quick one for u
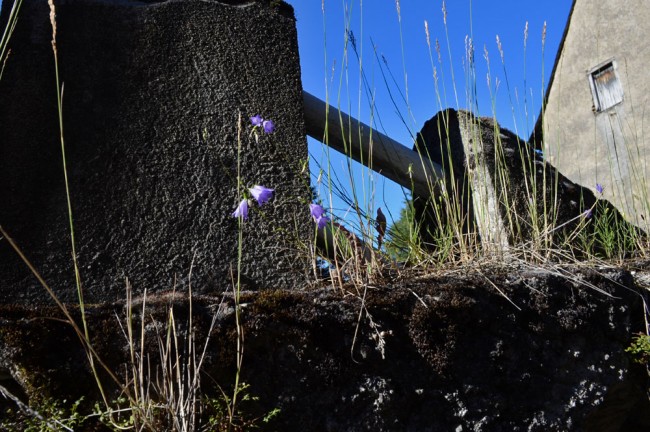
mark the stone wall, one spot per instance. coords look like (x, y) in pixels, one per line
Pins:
(477, 349)
(152, 99)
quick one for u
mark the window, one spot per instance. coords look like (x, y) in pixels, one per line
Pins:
(606, 88)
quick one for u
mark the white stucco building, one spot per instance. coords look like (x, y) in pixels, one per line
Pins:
(596, 119)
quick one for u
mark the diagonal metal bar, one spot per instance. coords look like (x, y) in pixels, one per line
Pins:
(370, 147)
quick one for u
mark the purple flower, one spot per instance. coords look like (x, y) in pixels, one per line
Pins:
(242, 210)
(268, 126)
(261, 194)
(257, 120)
(586, 214)
(322, 221)
(318, 213)
(316, 210)
(599, 188)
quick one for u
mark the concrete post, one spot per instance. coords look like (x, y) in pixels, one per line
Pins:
(152, 100)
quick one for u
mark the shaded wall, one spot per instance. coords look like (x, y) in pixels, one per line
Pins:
(152, 98)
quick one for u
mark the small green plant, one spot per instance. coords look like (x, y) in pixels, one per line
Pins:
(49, 415)
(222, 418)
(610, 238)
(639, 349)
(402, 233)
(115, 419)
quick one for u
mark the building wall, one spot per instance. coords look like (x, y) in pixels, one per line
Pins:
(608, 146)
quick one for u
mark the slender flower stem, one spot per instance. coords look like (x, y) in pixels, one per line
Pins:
(240, 332)
(59, 99)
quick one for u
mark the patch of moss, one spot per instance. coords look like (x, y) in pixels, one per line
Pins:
(274, 302)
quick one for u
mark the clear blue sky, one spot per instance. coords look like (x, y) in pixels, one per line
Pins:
(403, 45)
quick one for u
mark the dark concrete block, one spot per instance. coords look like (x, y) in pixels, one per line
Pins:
(507, 195)
(152, 97)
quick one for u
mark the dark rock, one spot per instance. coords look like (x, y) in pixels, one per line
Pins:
(152, 100)
(504, 193)
(456, 354)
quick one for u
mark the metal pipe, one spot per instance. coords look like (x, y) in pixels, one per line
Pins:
(369, 147)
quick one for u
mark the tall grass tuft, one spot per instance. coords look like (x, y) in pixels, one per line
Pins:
(165, 387)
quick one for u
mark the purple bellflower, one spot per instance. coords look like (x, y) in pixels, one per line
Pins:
(599, 188)
(242, 209)
(257, 120)
(322, 221)
(269, 126)
(318, 213)
(316, 210)
(261, 194)
(587, 214)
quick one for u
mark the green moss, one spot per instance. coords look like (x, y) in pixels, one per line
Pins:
(274, 301)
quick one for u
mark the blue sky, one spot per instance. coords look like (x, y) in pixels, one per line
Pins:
(401, 47)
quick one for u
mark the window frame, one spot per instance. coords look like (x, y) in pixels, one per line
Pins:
(615, 97)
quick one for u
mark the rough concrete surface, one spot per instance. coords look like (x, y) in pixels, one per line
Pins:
(151, 104)
(458, 354)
